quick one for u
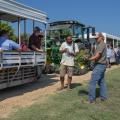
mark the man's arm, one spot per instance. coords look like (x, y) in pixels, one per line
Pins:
(95, 57)
(15, 46)
(63, 49)
(36, 49)
(98, 54)
(31, 45)
(76, 51)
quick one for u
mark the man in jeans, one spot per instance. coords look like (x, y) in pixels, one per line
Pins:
(99, 70)
(68, 50)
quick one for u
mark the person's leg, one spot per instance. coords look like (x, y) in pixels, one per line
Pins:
(103, 90)
(62, 82)
(117, 60)
(69, 82)
(70, 73)
(39, 72)
(62, 75)
(108, 63)
(92, 85)
(102, 84)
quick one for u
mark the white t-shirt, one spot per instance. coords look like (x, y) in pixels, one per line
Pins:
(66, 58)
(109, 52)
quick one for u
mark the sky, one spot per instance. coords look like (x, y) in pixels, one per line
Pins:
(103, 14)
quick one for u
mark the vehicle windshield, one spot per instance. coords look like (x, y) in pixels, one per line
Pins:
(62, 30)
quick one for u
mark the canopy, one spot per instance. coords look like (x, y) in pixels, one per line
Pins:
(10, 10)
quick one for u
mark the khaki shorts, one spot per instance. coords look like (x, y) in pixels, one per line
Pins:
(66, 69)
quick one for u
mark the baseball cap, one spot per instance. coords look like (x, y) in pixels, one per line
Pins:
(99, 35)
(37, 28)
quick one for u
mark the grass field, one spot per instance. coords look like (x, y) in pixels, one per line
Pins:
(70, 105)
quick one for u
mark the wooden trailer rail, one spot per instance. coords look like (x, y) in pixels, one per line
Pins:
(18, 68)
(21, 59)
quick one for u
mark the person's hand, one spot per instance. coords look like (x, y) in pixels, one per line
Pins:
(71, 53)
(41, 34)
(65, 50)
(40, 50)
(86, 58)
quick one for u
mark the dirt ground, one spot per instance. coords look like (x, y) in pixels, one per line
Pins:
(12, 99)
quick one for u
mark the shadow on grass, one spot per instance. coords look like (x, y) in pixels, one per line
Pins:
(82, 92)
(74, 85)
(97, 92)
(85, 92)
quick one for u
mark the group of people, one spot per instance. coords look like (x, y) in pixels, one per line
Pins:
(69, 50)
(34, 44)
(113, 54)
(117, 54)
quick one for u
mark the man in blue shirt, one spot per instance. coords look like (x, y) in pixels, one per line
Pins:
(6, 44)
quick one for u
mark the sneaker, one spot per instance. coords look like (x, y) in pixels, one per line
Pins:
(103, 99)
(92, 101)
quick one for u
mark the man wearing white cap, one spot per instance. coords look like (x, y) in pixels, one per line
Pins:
(97, 76)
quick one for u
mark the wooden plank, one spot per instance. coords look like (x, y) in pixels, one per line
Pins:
(27, 53)
(27, 61)
(3, 85)
(12, 61)
(26, 73)
(27, 56)
(9, 79)
(2, 80)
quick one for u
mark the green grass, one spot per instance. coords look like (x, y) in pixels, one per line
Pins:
(69, 105)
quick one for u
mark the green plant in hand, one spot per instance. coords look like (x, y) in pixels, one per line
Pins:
(82, 57)
(81, 63)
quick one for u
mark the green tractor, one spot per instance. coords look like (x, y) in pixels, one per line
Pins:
(57, 33)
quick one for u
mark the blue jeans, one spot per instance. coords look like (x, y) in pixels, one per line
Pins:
(98, 78)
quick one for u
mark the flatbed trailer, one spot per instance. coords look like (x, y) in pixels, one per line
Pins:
(17, 68)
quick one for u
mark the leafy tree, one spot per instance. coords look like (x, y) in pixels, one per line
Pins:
(25, 37)
(6, 26)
